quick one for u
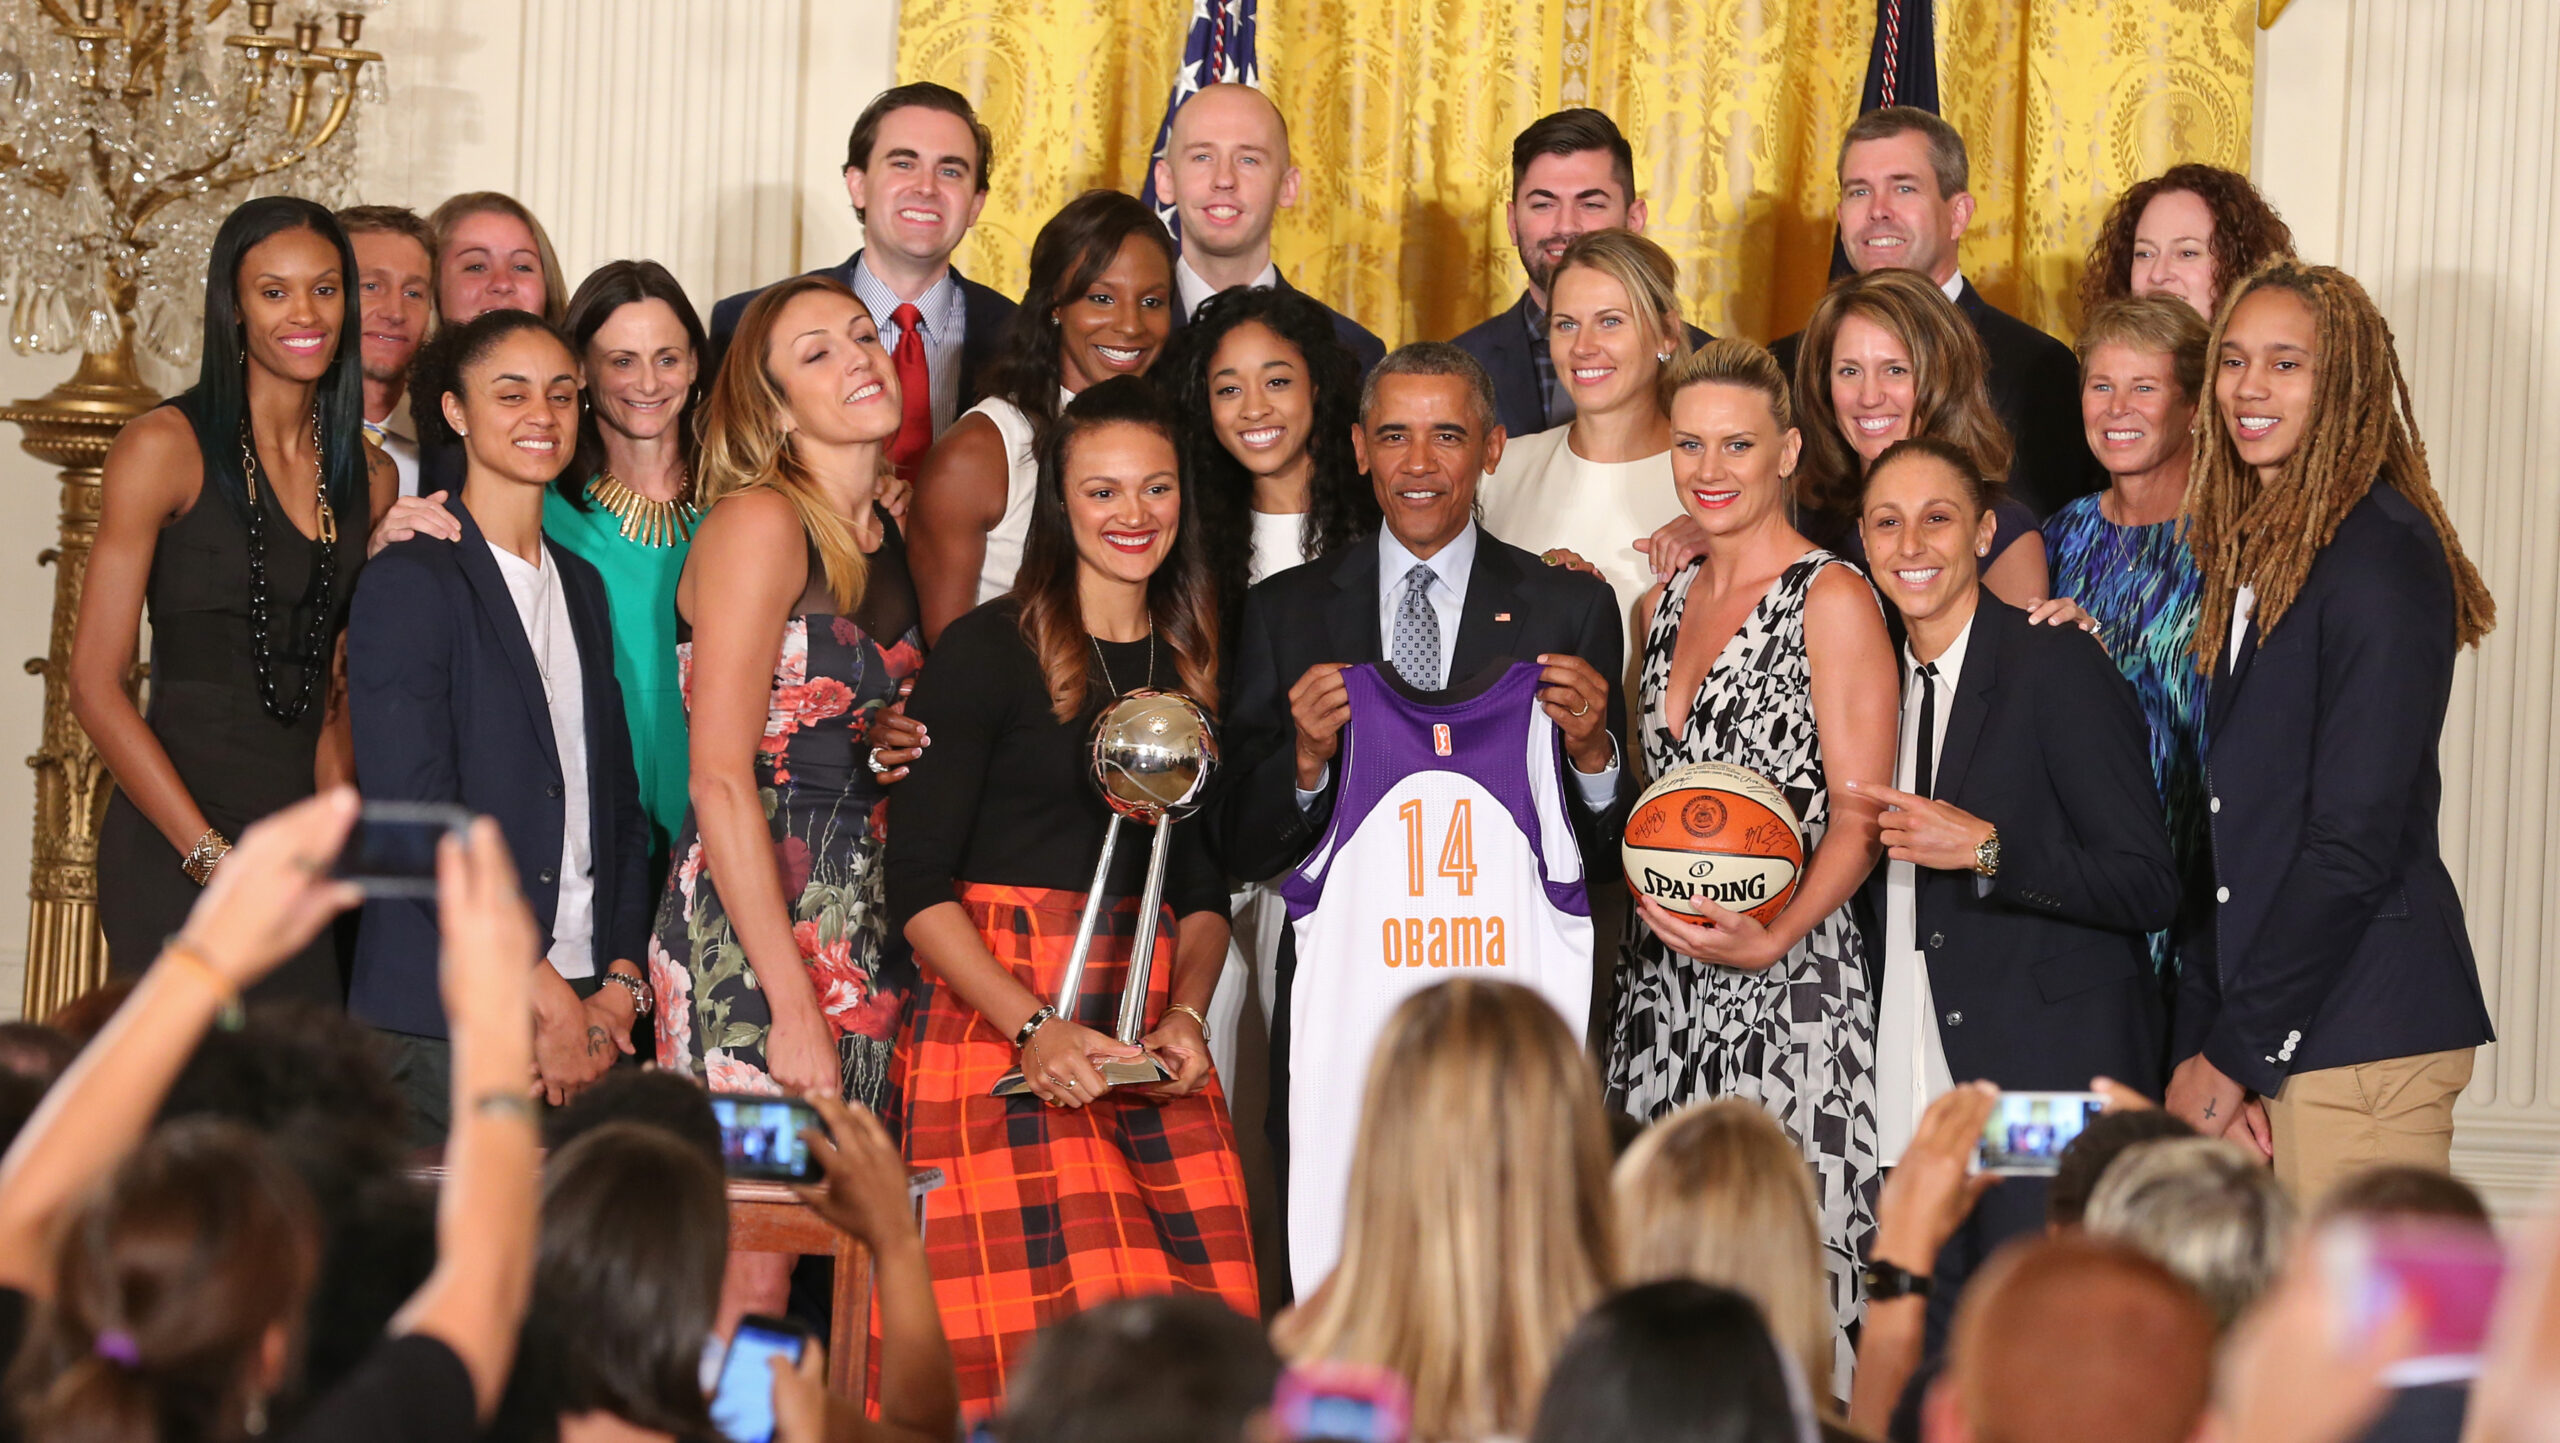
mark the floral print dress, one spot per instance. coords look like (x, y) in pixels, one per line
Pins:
(826, 814)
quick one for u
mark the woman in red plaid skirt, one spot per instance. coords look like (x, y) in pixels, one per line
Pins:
(1075, 1193)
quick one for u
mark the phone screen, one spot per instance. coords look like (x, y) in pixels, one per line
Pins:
(760, 1136)
(1342, 1403)
(2027, 1131)
(743, 1406)
(392, 851)
(2447, 1274)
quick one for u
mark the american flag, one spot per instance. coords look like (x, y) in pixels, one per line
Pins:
(1218, 47)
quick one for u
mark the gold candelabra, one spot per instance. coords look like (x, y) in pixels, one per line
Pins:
(119, 156)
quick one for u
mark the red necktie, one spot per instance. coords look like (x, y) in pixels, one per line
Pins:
(915, 392)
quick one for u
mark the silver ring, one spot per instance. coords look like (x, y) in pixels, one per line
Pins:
(871, 759)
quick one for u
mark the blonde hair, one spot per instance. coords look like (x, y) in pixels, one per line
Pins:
(1731, 361)
(1643, 270)
(2362, 429)
(1479, 1225)
(2153, 325)
(1716, 1192)
(2205, 1209)
(745, 445)
(459, 208)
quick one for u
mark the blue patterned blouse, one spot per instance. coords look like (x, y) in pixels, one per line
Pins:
(2141, 584)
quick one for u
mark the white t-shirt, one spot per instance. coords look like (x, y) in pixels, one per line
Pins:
(1276, 545)
(543, 606)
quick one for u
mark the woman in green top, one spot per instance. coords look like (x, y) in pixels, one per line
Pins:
(626, 503)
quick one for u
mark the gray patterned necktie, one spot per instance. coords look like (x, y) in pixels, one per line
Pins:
(1417, 642)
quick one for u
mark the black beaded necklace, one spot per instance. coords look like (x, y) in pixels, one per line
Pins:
(324, 575)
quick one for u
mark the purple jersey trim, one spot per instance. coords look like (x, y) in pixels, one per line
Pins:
(1391, 736)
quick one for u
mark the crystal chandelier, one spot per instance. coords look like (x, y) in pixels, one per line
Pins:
(130, 128)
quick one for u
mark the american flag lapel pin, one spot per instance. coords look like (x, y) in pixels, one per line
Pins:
(1502, 616)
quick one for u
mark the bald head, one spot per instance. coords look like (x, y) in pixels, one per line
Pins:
(2074, 1340)
(1226, 169)
(1232, 108)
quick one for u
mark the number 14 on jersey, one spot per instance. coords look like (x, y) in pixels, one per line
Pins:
(1457, 847)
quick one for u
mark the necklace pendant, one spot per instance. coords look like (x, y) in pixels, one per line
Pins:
(328, 523)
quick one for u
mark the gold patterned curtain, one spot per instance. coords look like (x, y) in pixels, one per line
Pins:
(1401, 114)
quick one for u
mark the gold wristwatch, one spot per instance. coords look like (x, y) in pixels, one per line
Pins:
(1986, 858)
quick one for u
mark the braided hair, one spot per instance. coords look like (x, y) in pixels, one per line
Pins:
(2265, 536)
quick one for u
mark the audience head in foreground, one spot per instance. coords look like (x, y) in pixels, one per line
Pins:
(1676, 1361)
(1480, 1223)
(1174, 1368)
(2206, 1209)
(2071, 1340)
(1716, 1192)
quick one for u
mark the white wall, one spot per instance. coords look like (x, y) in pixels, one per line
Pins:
(2411, 142)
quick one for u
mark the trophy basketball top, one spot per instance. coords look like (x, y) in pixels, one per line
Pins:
(1152, 753)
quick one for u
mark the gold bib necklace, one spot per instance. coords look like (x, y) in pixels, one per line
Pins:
(645, 520)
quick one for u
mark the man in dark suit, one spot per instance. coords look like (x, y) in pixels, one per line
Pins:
(460, 677)
(1571, 172)
(1226, 170)
(916, 170)
(1427, 438)
(1904, 203)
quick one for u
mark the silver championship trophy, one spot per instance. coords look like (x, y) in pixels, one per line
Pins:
(1152, 754)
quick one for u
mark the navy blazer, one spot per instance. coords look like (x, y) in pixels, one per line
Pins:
(985, 314)
(1355, 337)
(2042, 976)
(1502, 346)
(447, 706)
(1517, 608)
(2336, 936)
(2035, 386)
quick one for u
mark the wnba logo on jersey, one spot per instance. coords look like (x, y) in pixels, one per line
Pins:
(1442, 941)
(1440, 738)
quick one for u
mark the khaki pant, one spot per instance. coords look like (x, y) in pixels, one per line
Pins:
(2339, 1120)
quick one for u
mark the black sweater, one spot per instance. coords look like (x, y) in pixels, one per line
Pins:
(1004, 793)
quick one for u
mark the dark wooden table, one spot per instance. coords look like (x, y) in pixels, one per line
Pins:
(764, 1217)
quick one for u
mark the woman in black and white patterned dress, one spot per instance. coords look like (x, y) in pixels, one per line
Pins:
(1771, 654)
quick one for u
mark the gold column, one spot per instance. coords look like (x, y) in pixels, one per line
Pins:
(70, 426)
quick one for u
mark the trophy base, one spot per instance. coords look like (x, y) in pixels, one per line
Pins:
(1140, 1071)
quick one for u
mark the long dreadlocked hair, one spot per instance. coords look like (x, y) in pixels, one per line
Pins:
(2265, 536)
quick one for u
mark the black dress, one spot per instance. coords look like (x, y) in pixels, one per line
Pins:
(238, 762)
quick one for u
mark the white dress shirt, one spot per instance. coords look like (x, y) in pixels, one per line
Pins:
(946, 325)
(397, 436)
(1954, 287)
(2244, 604)
(1911, 1058)
(543, 606)
(1451, 567)
(1191, 290)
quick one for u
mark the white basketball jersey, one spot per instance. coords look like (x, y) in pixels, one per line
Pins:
(1448, 853)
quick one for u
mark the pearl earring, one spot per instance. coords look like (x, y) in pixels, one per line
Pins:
(1982, 551)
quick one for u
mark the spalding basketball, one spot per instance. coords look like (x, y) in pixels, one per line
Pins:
(1714, 832)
